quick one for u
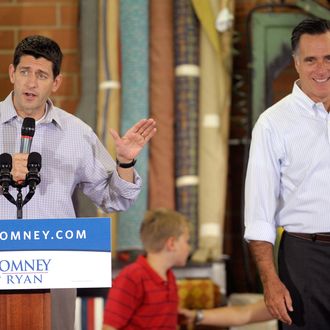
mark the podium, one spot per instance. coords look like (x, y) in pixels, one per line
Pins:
(43, 254)
(14, 307)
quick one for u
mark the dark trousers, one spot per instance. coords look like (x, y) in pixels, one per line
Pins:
(304, 268)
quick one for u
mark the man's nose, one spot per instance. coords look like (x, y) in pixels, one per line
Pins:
(31, 80)
(322, 66)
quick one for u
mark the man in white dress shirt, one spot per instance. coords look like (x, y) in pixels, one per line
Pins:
(288, 185)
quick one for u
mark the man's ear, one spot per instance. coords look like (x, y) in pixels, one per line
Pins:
(57, 83)
(296, 61)
(11, 71)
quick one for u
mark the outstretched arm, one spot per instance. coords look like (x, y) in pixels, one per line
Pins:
(231, 315)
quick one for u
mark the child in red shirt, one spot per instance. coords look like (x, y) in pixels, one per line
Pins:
(144, 294)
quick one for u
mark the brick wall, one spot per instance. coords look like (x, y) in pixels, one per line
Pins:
(57, 19)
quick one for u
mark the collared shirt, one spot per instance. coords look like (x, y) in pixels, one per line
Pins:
(141, 299)
(288, 175)
(72, 156)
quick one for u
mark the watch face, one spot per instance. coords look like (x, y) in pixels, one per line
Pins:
(199, 316)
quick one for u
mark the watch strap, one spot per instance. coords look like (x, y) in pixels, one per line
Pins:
(126, 165)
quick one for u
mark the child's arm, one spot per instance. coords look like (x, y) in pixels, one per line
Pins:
(231, 315)
(108, 327)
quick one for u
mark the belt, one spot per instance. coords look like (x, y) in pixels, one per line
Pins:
(320, 237)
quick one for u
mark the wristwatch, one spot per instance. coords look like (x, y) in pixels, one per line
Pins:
(199, 316)
(126, 165)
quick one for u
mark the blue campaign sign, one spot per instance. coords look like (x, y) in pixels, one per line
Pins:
(78, 234)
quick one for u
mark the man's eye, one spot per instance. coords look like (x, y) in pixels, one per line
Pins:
(42, 76)
(24, 72)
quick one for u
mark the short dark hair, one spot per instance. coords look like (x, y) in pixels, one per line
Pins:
(308, 26)
(39, 46)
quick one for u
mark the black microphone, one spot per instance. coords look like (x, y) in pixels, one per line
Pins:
(27, 132)
(34, 166)
(5, 168)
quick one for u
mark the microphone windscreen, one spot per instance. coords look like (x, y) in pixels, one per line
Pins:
(34, 160)
(28, 127)
(5, 160)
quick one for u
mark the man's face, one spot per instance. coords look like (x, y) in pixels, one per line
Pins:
(312, 61)
(33, 83)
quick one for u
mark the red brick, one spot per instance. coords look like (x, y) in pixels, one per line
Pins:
(7, 39)
(5, 60)
(67, 104)
(6, 86)
(68, 86)
(37, 15)
(69, 15)
(71, 63)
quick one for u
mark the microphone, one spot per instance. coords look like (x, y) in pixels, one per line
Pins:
(34, 166)
(5, 168)
(27, 132)
(5, 176)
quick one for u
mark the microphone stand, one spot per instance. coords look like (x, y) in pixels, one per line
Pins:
(19, 201)
(8, 196)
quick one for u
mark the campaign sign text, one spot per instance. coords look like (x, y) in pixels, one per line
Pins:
(55, 253)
